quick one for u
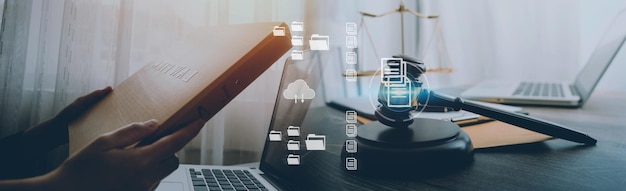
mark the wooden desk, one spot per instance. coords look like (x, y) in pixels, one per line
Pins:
(550, 165)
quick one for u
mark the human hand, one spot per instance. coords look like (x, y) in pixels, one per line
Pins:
(108, 164)
(53, 132)
(80, 106)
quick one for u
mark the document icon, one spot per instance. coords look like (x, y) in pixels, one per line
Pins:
(297, 26)
(351, 116)
(293, 131)
(297, 40)
(293, 159)
(350, 57)
(279, 31)
(399, 96)
(393, 71)
(394, 78)
(293, 145)
(350, 75)
(351, 42)
(351, 28)
(315, 142)
(275, 135)
(297, 55)
(351, 130)
(319, 42)
(351, 146)
(351, 163)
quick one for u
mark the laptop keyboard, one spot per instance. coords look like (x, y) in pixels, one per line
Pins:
(539, 89)
(224, 179)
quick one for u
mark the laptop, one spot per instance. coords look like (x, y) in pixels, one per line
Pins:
(567, 94)
(276, 159)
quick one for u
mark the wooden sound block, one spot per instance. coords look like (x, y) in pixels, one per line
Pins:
(197, 77)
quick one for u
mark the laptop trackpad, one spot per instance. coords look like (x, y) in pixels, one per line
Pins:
(163, 186)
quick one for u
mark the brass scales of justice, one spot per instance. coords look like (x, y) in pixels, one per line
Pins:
(442, 51)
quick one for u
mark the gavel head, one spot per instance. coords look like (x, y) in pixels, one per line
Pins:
(399, 88)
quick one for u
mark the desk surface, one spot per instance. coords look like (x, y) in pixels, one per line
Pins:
(550, 165)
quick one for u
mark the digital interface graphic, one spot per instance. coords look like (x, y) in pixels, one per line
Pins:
(319, 42)
(396, 82)
(299, 91)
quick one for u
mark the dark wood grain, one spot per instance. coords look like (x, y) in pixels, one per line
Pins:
(551, 165)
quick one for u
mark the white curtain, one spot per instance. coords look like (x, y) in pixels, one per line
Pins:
(521, 39)
(506, 39)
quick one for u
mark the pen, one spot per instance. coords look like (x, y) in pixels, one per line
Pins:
(473, 121)
(479, 120)
(428, 108)
(517, 119)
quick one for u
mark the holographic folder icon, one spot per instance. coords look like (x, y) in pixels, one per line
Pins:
(297, 40)
(293, 159)
(275, 135)
(315, 142)
(297, 26)
(293, 131)
(319, 42)
(278, 31)
(293, 145)
(297, 55)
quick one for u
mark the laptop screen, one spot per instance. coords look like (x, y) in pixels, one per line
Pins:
(285, 153)
(603, 55)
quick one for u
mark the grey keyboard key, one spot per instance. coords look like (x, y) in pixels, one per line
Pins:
(200, 188)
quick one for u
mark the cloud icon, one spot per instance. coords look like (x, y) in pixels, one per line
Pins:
(298, 90)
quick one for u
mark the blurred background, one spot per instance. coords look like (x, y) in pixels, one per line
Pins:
(53, 51)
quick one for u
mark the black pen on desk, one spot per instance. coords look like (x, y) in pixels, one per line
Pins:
(472, 121)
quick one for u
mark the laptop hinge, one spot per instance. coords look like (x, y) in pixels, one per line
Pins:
(573, 90)
(274, 181)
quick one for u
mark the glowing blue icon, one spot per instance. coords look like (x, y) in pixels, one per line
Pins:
(394, 78)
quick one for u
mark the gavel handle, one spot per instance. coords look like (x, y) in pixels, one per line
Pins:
(513, 118)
